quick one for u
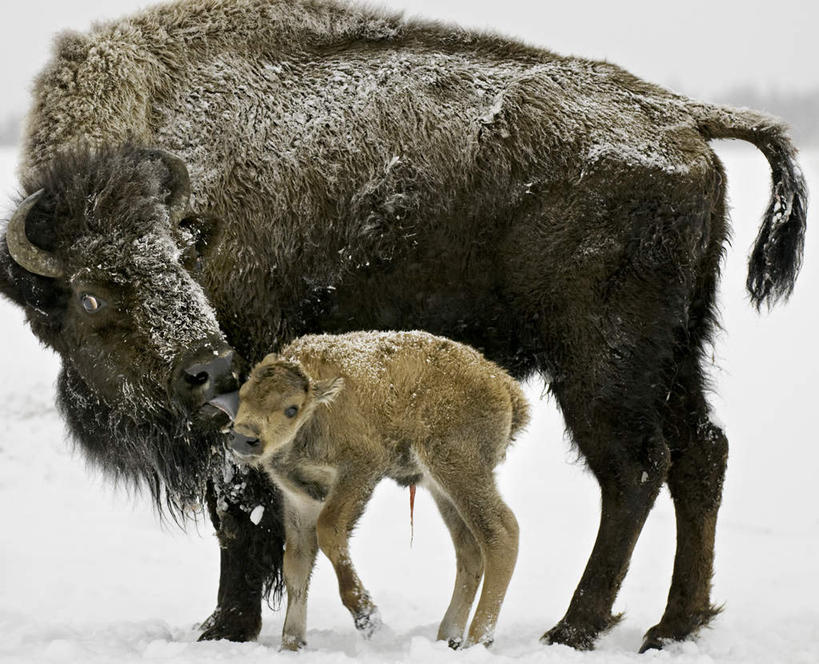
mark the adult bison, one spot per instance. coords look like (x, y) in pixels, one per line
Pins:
(207, 180)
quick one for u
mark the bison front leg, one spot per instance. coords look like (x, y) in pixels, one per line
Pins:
(245, 510)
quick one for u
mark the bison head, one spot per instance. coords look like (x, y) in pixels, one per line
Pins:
(104, 255)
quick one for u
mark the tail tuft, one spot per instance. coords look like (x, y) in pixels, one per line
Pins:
(776, 257)
(520, 409)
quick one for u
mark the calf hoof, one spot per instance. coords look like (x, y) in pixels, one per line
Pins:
(292, 643)
(451, 634)
(579, 637)
(368, 623)
(232, 625)
(475, 638)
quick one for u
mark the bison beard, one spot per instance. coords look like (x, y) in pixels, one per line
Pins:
(559, 214)
(184, 469)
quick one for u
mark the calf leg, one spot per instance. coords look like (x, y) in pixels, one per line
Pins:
(299, 558)
(343, 507)
(469, 570)
(698, 460)
(498, 538)
(470, 484)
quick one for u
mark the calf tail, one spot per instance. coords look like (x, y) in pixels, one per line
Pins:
(776, 257)
(520, 410)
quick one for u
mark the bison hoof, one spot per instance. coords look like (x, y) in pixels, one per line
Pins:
(579, 637)
(565, 634)
(368, 623)
(658, 636)
(652, 642)
(232, 625)
(679, 629)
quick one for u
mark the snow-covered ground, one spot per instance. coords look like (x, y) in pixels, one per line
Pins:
(87, 574)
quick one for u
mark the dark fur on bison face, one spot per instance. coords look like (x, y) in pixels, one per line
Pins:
(106, 271)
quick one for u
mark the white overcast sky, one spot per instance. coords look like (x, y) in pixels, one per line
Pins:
(701, 47)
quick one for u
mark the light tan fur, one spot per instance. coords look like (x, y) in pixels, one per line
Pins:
(408, 405)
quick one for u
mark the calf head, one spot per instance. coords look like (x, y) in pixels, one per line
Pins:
(103, 254)
(277, 400)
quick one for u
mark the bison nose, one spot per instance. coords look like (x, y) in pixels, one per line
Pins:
(206, 374)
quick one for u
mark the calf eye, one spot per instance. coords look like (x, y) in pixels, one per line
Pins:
(291, 411)
(91, 304)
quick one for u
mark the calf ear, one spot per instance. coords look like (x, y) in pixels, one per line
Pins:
(326, 390)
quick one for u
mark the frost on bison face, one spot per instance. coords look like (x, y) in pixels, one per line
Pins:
(104, 257)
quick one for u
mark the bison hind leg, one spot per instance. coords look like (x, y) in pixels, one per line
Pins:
(699, 452)
(630, 477)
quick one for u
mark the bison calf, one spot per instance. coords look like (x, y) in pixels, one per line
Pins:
(411, 406)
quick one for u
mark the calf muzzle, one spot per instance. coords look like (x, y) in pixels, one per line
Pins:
(245, 446)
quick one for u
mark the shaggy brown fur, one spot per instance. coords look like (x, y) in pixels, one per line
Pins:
(350, 169)
(331, 416)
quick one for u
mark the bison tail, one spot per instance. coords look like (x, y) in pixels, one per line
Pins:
(776, 257)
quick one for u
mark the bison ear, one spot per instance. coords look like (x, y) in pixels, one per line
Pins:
(325, 391)
(177, 182)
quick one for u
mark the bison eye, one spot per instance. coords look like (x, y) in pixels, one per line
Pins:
(91, 304)
(291, 411)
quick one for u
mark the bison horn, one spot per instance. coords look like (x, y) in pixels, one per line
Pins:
(179, 183)
(24, 253)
